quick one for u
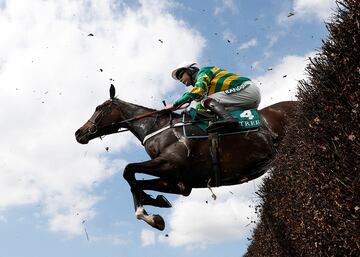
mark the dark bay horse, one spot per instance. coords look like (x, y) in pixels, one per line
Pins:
(178, 162)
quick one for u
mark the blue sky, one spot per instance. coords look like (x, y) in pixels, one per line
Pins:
(59, 198)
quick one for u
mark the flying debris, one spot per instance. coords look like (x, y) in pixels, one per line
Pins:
(290, 14)
(284, 76)
(91, 35)
(161, 41)
(86, 233)
(107, 149)
(228, 41)
(101, 70)
(270, 69)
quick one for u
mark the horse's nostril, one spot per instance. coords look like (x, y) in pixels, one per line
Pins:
(77, 132)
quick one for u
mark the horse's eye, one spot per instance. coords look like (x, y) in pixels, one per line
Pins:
(97, 108)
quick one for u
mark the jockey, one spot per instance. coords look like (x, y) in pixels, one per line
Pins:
(217, 90)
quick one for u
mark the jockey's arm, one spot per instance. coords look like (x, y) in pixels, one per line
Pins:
(197, 93)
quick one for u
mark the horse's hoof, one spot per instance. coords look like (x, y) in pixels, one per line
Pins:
(163, 202)
(158, 223)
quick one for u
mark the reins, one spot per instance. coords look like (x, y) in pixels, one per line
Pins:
(141, 116)
(95, 120)
(148, 114)
(138, 117)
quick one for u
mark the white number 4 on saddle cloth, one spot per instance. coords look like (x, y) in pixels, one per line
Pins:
(247, 114)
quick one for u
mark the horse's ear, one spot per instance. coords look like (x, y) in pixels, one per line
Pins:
(112, 91)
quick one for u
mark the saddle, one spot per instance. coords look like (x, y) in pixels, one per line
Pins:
(249, 120)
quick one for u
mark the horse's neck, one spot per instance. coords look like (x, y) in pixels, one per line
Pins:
(142, 127)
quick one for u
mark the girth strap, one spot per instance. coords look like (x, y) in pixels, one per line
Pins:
(214, 152)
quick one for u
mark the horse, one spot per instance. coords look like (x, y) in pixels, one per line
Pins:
(179, 163)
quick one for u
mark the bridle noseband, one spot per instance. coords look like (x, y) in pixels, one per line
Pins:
(96, 119)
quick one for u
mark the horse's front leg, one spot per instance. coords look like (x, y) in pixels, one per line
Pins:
(155, 221)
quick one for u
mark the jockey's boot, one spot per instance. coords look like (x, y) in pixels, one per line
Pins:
(227, 121)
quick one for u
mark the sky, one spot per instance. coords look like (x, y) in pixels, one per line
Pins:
(57, 61)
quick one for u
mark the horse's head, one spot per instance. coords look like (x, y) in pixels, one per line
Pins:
(104, 121)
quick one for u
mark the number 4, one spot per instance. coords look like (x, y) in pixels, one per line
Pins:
(247, 114)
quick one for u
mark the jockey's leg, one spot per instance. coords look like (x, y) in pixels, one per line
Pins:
(227, 121)
(247, 98)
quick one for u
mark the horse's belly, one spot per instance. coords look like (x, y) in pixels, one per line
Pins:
(241, 155)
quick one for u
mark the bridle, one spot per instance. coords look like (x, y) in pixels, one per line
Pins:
(96, 119)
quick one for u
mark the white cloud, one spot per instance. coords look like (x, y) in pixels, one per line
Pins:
(147, 237)
(50, 84)
(280, 83)
(256, 65)
(309, 10)
(252, 42)
(273, 39)
(197, 220)
(322, 9)
(222, 6)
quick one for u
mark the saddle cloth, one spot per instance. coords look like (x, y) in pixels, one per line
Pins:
(249, 120)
